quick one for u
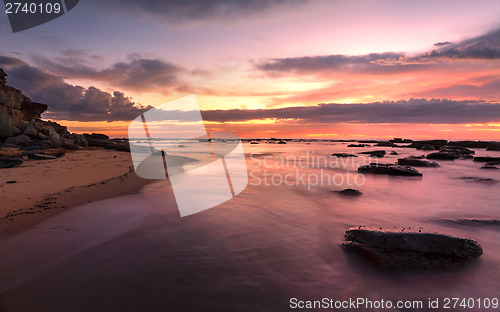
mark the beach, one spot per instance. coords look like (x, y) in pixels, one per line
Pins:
(44, 188)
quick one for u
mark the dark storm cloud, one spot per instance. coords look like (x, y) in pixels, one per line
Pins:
(7, 60)
(194, 10)
(70, 102)
(415, 111)
(137, 73)
(483, 47)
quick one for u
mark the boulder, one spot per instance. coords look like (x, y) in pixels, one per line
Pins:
(17, 140)
(389, 169)
(16, 131)
(5, 125)
(410, 161)
(42, 136)
(394, 153)
(411, 251)
(30, 130)
(69, 145)
(10, 162)
(55, 139)
(97, 140)
(427, 147)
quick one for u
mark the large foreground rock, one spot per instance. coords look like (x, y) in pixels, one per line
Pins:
(389, 169)
(400, 250)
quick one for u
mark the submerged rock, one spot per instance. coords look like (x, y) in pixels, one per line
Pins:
(443, 156)
(389, 169)
(400, 250)
(410, 161)
(480, 180)
(349, 192)
(474, 221)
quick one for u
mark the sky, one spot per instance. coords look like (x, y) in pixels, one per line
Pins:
(269, 68)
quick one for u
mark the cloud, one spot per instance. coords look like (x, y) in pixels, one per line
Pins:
(69, 102)
(7, 60)
(440, 44)
(369, 63)
(416, 111)
(137, 73)
(182, 11)
(483, 47)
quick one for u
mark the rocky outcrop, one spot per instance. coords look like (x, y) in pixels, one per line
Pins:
(389, 169)
(413, 251)
(488, 159)
(343, 155)
(493, 147)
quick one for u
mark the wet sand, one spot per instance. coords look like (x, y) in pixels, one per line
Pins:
(44, 188)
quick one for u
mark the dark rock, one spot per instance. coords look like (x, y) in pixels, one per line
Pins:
(358, 145)
(379, 153)
(428, 147)
(36, 156)
(400, 250)
(281, 142)
(349, 192)
(343, 155)
(385, 143)
(389, 169)
(11, 182)
(436, 143)
(30, 130)
(409, 161)
(10, 162)
(20, 139)
(487, 159)
(393, 153)
(474, 221)
(442, 156)
(456, 149)
(493, 147)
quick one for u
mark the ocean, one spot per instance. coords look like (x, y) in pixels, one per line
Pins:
(273, 245)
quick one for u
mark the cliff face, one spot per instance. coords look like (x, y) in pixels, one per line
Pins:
(16, 110)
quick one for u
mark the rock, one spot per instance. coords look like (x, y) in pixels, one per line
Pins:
(281, 142)
(42, 136)
(123, 147)
(379, 153)
(389, 169)
(400, 250)
(69, 145)
(17, 140)
(16, 131)
(358, 145)
(30, 130)
(442, 156)
(349, 192)
(386, 143)
(409, 161)
(97, 140)
(487, 159)
(393, 153)
(456, 149)
(55, 139)
(343, 155)
(11, 182)
(493, 147)
(435, 143)
(480, 180)
(427, 147)
(36, 156)
(10, 162)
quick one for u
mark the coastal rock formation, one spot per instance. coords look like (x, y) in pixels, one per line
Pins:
(415, 162)
(402, 250)
(487, 159)
(389, 169)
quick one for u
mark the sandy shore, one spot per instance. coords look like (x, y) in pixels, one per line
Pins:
(43, 188)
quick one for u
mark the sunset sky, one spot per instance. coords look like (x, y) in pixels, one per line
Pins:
(305, 69)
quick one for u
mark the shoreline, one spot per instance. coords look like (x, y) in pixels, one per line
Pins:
(114, 177)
